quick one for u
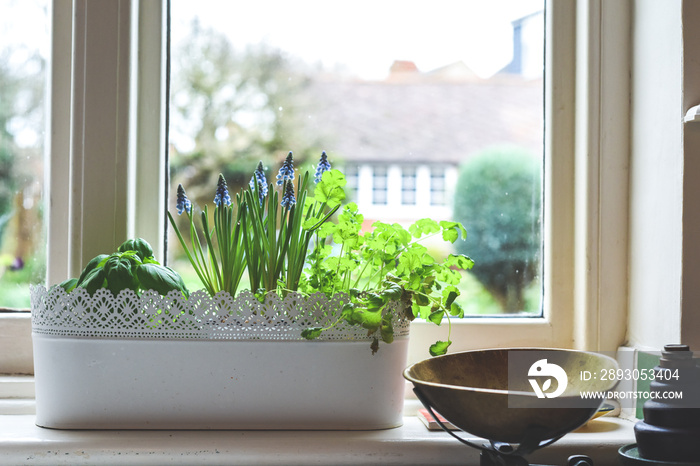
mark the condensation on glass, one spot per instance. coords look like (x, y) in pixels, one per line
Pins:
(417, 103)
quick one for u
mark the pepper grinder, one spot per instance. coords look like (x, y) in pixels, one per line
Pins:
(670, 430)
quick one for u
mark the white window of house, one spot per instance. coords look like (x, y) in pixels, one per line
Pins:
(437, 186)
(408, 185)
(380, 185)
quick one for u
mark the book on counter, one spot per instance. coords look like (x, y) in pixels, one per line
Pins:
(430, 422)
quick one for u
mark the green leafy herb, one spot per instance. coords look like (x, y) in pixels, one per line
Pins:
(133, 269)
(384, 265)
(289, 238)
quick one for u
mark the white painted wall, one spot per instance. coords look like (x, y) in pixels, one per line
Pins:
(656, 175)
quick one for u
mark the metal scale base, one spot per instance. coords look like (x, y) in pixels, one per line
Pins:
(503, 454)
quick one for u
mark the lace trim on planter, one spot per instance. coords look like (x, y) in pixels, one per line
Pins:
(55, 312)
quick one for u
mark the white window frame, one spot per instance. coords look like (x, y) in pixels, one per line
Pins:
(104, 142)
(89, 178)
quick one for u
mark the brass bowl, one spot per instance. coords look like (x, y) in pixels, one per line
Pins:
(472, 390)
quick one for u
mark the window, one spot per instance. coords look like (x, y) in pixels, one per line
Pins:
(437, 186)
(242, 91)
(23, 55)
(380, 185)
(106, 214)
(408, 185)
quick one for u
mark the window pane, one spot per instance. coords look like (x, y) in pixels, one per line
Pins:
(24, 43)
(408, 185)
(435, 109)
(437, 186)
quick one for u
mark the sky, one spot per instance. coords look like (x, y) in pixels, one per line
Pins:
(24, 22)
(363, 36)
(366, 36)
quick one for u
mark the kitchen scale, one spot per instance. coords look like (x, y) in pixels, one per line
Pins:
(472, 391)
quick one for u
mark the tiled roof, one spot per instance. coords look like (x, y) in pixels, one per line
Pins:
(427, 117)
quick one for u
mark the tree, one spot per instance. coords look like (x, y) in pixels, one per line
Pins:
(498, 199)
(232, 108)
(21, 111)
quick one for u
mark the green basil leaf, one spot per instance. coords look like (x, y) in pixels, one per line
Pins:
(96, 262)
(68, 285)
(140, 245)
(161, 279)
(94, 280)
(119, 274)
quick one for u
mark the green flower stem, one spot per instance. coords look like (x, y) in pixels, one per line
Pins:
(219, 260)
(229, 242)
(192, 254)
(214, 264)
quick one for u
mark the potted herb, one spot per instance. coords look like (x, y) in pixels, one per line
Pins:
(289, 241)
(132, 267)
(294, 295)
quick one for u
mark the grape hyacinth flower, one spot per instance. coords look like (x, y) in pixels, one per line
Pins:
(286, 172)
(222, 196)
(288, 200)
(259, 179)
(323, 166)
(183, 204)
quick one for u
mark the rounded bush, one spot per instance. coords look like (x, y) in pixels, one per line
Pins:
(498, 199)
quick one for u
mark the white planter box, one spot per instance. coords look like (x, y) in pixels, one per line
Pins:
(151, 382)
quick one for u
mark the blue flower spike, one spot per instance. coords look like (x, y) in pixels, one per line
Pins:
(222, 196)
(258, 182)
(259, 179)
(286, 172)
(183, 204)
(288, 200)
(323, 166)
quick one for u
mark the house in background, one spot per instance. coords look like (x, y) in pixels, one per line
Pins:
(402, 139)
(528, 37)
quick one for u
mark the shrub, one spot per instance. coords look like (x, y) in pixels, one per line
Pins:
(498, 199)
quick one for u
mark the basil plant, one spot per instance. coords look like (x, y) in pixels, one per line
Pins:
(132, 267)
